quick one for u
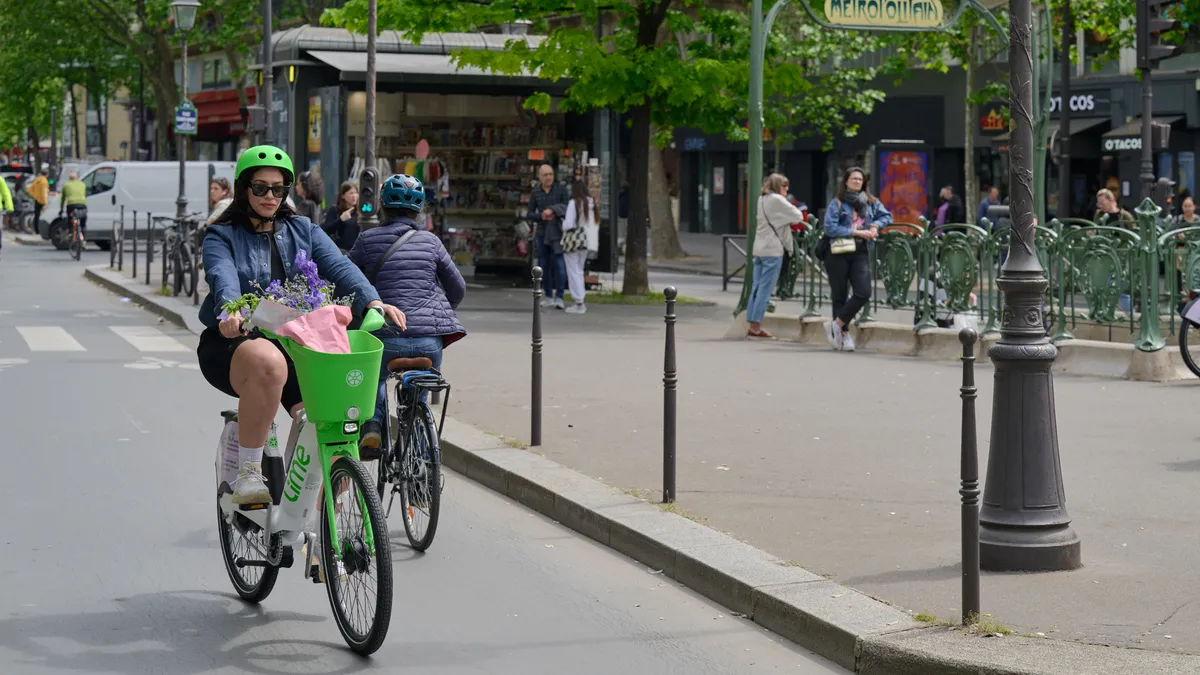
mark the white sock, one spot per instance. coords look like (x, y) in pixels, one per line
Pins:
(249, 455)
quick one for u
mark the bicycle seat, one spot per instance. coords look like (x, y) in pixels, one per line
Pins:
(418, 363)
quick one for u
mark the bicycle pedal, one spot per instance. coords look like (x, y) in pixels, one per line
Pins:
(253, 507)
(316, 575)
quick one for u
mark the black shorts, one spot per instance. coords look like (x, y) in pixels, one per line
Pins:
(215, 353)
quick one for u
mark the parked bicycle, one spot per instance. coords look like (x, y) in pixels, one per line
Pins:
(180, 252)
(413, 463)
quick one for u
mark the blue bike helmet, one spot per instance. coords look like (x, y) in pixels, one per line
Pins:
(402, 191)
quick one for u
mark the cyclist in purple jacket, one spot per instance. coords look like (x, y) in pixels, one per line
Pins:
(419, 278)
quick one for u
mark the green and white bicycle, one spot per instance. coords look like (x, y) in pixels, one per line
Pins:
(353, 550)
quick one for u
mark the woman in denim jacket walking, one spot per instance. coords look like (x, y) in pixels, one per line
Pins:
(855, 214)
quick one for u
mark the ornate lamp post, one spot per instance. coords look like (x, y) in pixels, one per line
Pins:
(184, 13)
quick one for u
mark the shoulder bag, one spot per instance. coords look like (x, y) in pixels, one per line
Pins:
(841, 245)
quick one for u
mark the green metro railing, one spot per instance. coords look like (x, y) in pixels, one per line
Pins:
(1106, 273)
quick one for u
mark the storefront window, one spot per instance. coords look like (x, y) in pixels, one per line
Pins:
(481, 165)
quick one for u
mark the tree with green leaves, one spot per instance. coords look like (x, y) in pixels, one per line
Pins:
(1111, 24)
(970, 44)
(661, 63)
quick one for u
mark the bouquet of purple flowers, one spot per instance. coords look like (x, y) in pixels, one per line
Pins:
(306, 292)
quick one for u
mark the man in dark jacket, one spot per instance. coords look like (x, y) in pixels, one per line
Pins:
(420, 278)
(547, 206)
(950, 210)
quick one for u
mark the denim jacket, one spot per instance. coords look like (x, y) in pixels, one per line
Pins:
(838, 218)
(234, 256)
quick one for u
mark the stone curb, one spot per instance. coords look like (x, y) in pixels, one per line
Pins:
(1092, 358)
(839, 623)
(30, 240)
(182, 314)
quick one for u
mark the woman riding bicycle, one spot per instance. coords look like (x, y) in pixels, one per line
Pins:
(252, 243)
(412, 270)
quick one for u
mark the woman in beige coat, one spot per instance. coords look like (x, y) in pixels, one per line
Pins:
(772, 239)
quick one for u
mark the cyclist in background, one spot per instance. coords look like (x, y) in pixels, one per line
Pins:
(419, 278)
(74, 197)
(6, 203)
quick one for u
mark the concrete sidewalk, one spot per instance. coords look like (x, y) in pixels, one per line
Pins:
(847, 464)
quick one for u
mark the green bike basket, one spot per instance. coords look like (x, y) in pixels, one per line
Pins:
(334, 383)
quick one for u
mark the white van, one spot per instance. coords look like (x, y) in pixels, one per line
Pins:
(145, 187)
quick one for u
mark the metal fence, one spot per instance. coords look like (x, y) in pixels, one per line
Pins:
(1119, 273)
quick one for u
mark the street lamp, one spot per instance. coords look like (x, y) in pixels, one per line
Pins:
(184, 13)
(1023, 523)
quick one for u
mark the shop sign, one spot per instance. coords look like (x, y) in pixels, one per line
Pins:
(875, 14)
(187, 119)
(695, 144)
(1123, 144)
(1090, 104)
(992, 120)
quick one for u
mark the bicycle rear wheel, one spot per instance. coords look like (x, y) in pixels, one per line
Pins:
(421, 479)
(76, 243)
(360, 582)
(185, 269)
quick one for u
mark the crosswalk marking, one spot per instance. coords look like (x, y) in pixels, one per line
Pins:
(148, 339)
(49, 339)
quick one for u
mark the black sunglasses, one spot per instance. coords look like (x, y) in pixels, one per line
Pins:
(261, 190)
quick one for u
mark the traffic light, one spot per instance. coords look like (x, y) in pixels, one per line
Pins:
(368, 191)
(1151, 24)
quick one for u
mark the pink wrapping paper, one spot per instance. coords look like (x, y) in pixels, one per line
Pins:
(321, 331)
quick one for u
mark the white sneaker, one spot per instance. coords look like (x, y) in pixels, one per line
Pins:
(250, 487)
(559, 304)
(847, 342)
(833, 333)
(547, 302)
(577, 309)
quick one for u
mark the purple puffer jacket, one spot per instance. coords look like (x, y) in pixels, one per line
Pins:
(409, 280)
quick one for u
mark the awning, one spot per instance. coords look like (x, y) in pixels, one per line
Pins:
(221, 106)
(407, 67)
(1133, 129)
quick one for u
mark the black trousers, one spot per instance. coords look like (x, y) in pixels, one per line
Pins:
(849, 270)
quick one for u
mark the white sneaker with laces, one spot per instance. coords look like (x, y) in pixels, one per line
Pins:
(250, 487)
(577, 309)
(847, 342)
(547, 302)
(833, 333)
(559, 304)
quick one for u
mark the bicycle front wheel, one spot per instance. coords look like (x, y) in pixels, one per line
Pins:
(1187, 327)
(359, 575)
(421, 480)
(185, 269)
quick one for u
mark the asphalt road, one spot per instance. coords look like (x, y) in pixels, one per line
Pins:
(110, 561)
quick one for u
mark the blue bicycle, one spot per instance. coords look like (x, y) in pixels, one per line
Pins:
(411, 459)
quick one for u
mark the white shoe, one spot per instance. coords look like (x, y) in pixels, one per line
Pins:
(547, 302)
(559, 304)
(577, 309)
(250, 487)
(847, 342)
(833, 333)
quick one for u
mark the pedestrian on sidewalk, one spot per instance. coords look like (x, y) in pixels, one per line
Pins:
(583, 216)
(39, 190)
(412, 271)
(852, 223)
(547, 206)
(341, 220)
(772, 243)
(310, 189)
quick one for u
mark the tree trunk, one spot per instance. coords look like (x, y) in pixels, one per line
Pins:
(664, 237)
(239, 81)
(74, 122)
(33, 138)
(166, 94)
(637, 279)
(970, 200)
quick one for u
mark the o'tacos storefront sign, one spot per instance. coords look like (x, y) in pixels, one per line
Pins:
(885, 13)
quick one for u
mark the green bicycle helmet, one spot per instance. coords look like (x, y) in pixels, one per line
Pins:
(265, 156)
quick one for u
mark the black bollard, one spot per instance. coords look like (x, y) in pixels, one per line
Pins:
(535, 411)
(135, 245)
(669, 385)
(970, 482)
(149, 245)
(121, 243)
